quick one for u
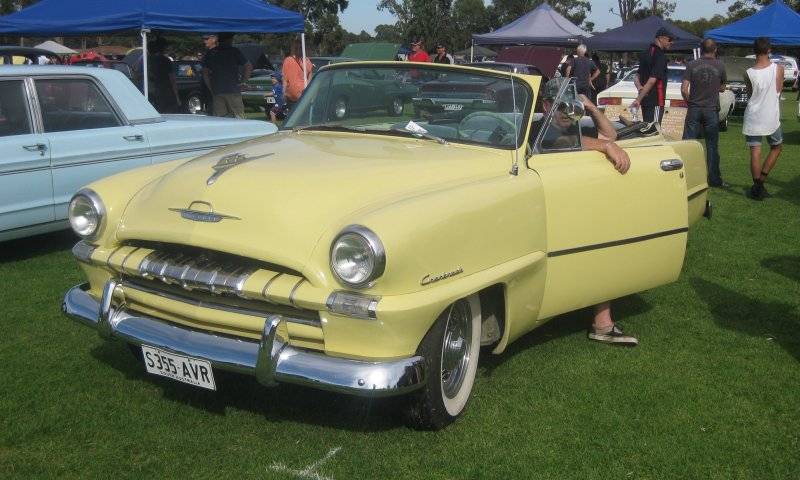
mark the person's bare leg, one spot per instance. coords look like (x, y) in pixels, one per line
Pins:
(772, 158)
(602, 317)
(604, 330)
(755, 161)
(273, 117)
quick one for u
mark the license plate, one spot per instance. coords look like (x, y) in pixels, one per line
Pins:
(178, 367)
(270, 99)
(453, 107)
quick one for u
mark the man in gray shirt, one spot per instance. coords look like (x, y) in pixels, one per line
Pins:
(585, 71)
(703, 80)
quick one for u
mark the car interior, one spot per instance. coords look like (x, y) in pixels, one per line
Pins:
(13, 109)
(74, 104)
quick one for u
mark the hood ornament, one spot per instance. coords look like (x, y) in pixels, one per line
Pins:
(229, 161)
(206, 215)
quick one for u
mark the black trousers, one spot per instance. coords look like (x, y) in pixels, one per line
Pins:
(652, 114)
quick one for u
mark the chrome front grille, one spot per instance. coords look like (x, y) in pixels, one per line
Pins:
(203, 272)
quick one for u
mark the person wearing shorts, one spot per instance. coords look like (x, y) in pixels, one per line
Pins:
(762, 117)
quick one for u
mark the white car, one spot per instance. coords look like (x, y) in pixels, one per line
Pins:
(789, 68)
(624, 92)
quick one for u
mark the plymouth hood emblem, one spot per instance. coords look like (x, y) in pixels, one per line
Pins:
(229, 161)
(206, 214)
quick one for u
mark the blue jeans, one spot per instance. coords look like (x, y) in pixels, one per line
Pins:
(707, 121)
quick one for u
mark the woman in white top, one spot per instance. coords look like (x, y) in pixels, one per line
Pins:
(763, 115)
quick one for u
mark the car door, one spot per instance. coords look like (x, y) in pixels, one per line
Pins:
(26, 188)
(608, 234)
(88, 137)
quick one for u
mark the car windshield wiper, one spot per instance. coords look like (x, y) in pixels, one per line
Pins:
(420, 133)
(329, 128)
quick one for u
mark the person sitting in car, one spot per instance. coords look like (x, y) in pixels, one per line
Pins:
(561, 133)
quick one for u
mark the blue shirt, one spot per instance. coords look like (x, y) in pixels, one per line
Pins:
(277, 92)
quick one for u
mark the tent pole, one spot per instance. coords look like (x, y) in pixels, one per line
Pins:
(303, 44)
(472, 52)
(144, 62)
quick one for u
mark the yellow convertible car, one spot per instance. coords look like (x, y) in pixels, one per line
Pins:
(378, 253)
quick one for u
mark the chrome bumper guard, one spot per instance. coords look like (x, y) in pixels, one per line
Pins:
(271, 360)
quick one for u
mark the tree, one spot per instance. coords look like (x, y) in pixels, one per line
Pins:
(11, 6)
(633, 10)
(427, 19)
(702, 25)
(505, 11)
(738, 9)
(469, 16)
(389, 33)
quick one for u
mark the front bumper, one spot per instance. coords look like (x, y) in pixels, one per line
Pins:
(271, 360)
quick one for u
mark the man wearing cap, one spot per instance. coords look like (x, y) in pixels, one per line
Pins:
(210, 41)
(418, 53)
(653, 77)
(441, 55)
(221, 76)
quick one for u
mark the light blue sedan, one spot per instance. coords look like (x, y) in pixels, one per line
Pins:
(64, 127)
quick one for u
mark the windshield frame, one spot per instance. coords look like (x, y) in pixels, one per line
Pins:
(514, 78)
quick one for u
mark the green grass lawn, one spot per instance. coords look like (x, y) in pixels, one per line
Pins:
(712, 392)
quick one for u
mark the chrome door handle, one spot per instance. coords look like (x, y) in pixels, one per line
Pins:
(134, 138)
(37, 147)
(669, 165)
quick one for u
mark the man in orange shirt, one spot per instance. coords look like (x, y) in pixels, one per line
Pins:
(293, 80)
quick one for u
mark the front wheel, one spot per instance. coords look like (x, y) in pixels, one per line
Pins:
(450, 349)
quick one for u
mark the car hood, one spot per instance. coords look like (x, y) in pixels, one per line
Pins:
(296, 187)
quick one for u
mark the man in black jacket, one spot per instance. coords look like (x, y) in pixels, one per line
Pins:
(653, 77)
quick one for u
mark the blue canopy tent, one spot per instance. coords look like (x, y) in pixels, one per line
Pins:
(80, 17)
(777, 21)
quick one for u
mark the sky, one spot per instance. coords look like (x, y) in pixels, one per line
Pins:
(364, 15)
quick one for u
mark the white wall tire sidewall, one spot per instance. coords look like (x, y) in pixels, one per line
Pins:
(454, 406)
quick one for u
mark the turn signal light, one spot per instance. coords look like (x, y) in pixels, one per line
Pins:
(609, 101)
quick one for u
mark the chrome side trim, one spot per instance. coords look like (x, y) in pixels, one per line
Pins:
(271, 360)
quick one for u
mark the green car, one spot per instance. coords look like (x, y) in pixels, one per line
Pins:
(257, 93)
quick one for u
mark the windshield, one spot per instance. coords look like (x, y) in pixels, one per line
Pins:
(449, 104)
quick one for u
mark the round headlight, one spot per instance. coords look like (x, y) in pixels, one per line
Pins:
(357, 256)
(86, 213)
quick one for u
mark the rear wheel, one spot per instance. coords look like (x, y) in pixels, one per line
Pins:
(450, 349)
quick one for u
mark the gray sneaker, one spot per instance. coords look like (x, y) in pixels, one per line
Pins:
(615, 336)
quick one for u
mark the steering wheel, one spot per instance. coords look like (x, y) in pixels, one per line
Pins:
(494, 124)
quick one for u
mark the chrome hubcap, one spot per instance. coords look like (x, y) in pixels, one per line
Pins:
(341, 109)
(397, 106)
(456, 348)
